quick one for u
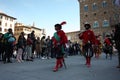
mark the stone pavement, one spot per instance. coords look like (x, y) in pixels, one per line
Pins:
(101, 69)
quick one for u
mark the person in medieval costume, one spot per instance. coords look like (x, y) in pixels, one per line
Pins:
(97, 47)
(59, 40)
(88, 39)
(108, 46)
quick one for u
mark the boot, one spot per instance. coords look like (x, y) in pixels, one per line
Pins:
(86, 61)
(89, 60)
(61, 63)
(57, 65)
(96, 56)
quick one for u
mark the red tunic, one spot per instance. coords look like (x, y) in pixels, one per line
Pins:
(86, 36)
(59, 41)
(62, 36)
(97, 42)
(107, 41)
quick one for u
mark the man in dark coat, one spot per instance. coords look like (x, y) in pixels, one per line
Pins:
(33, 38)
(117, 41)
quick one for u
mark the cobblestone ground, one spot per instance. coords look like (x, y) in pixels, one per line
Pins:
(101, 69)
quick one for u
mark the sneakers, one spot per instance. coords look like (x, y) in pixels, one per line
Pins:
(20, 61)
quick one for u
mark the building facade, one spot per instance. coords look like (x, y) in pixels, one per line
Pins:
(6, 22)
(102, 15)
(19, 27)
(73, 36)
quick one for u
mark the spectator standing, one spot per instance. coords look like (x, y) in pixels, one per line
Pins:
(49, 45)
(44, 46)
(20, 48)
(33, 43)
(2, 48)
(24, 44)
(117, 41)
(29, 48)
(9, 40)
(38, 47)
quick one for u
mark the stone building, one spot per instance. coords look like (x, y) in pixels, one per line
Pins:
(27, 29)
(102, 15)
(73, 36)
(6, 22)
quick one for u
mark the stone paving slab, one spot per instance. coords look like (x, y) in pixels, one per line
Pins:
(101, 69)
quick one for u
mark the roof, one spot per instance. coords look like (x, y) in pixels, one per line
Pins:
(7, 15)
(35, 28)
(72, 32)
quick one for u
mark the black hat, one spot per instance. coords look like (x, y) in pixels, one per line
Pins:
(9, 29)
(58, 25)
(87, 26)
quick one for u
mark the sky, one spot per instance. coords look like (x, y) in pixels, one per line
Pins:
(44, 13)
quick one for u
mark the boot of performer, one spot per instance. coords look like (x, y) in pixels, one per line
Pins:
(86, 61)
(58, 61)
(61, 63)
(98, 55)
(89, 62)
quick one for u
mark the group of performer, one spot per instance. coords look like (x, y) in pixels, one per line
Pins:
(91, 45)
(60, 39)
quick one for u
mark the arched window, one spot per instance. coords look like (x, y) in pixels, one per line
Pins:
(86, 8)
(94, 6)
(104, 4)
(95, 24)
(105, 23)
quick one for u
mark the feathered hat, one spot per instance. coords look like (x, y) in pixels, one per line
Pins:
(60, 25)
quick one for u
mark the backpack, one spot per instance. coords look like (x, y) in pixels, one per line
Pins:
(11, 39)
(8, 38)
